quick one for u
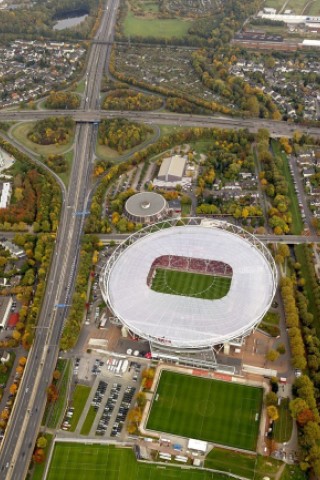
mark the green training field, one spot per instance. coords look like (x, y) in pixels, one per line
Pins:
(190, 284)
(74, 461)
(210, 410)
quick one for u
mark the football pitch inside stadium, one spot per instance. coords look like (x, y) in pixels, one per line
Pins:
(190, 284)
(212, 410)
(77, 461)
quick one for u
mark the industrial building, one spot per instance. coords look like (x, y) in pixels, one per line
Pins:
(172, 169)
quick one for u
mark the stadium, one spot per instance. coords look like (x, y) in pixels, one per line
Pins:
(189, 286)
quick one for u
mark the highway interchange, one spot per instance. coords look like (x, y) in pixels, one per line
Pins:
(24, 423)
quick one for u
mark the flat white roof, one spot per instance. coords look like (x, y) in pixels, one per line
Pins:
(311, 43)
(182, 321)
(199, 445)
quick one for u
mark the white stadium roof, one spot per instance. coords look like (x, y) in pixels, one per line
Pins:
(189, 322)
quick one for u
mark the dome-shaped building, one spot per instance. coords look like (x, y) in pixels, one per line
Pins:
(146, 207)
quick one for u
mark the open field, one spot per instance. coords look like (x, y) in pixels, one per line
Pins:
(293, 472)
(190, 284)
(284, 424)
(211, 410)
(80, 398)
(313, 8)
(142, 27)
(233, 462)
(20, 132)
(87, 424)
(101, 462)
(277, 4)
(297, 6)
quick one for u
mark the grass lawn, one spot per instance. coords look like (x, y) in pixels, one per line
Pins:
(314, 9)
(53, 412)
(155, 27)
(20, 133)
(87, 424)
(66, 175)
(80, 86)
(185, 210)
(80, 398)
(229, 461)
(106, 153)
(4, 375)
(211, 410)
(190, 284)
(297, 224)
(274, 4)
(266, 466)
(293, 472)
(102, 462)
(283, 426)
(270, 324)
(39, 468)
(272, 318)
(296, 6)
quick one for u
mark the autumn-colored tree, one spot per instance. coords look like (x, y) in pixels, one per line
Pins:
(148, 373)
(56, 375)
(52, 393)
(13, 389)
(16, 335)
(271, 399)
(305, 416)
(272, 412)
(272, 355)
(141, 399)
(131, 428)
(135, 415)
(19, 370)
(5, 414)
(39, 455)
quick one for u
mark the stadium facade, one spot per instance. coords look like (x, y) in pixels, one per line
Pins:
(177, 325)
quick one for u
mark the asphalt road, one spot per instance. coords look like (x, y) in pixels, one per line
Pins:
(25, 419)
(277, 129)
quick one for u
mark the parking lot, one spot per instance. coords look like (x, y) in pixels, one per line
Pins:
(115, 381)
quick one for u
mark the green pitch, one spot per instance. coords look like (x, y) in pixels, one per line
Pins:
(190, 284)
(74, 461)
(210, 410)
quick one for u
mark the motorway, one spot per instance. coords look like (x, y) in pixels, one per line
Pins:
(26, 416)
(93, 114)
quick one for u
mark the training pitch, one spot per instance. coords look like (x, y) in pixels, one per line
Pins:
(190, 284)
(220, 412)
(76, 461)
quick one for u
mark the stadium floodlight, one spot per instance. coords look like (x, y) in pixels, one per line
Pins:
(181, 321)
